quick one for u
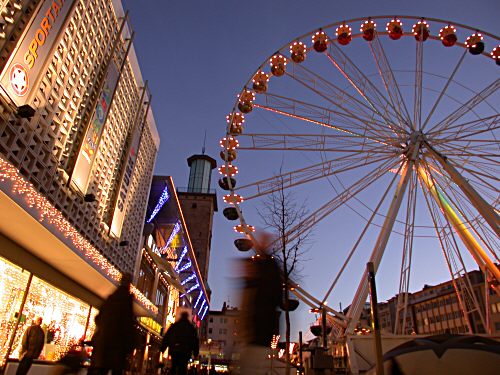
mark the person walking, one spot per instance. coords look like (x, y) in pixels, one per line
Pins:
(182, 340)
(261, 296)
(113, 340)
(31, 347)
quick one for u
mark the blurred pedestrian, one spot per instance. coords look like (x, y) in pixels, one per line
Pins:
(113, 340)
(31, 346)
(182, 340)
(262, 294)
(212, 371)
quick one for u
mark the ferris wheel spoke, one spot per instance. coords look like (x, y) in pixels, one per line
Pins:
(342, 123)
(341, 198)
(390, 82)
(480, 152)
(310, 173)
(336, 95)
(369, 223)
(467, 107)
(476, 133)
(481, 205)
(365, 87)
(310, 142)
(445, 88)
(451, 132)
(417, 100)
(359, 119)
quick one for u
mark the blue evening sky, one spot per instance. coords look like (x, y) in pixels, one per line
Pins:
(197, 55)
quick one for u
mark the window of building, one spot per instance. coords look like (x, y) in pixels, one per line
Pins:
(210, 330)
(146, 280)
(426, 321)
(211, 320)
(494, 308)
(497, 326)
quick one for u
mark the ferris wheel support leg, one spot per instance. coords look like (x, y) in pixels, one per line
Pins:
(482, 259)
(362, 293)
(485, 209)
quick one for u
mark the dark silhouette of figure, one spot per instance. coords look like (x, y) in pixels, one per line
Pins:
(262, 294)
(31, 347)
(113, 339)
(182, 340)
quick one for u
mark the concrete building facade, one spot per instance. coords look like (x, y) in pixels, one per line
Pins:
(78, 144)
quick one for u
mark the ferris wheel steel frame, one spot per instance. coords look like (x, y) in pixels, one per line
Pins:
(380, 131)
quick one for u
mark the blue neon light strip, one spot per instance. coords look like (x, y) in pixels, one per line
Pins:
(164, 197)
(184, 267)
(198, 300)
(177, 228)
(204, 313)
(193, 276)
(203, 304)
(195, 286)
(181, 257)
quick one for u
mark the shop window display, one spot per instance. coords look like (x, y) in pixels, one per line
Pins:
(66, 320)
(13, 282)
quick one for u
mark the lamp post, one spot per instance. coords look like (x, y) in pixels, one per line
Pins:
(209, 342)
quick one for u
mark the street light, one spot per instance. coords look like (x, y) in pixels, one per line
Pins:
(209, 342)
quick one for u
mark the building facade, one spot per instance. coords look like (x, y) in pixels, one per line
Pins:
(436, 309)
(224, 338)
(78, 144)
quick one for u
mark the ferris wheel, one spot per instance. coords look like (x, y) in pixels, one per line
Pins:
(390, 134)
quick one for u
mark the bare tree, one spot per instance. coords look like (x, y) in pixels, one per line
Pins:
(283, 215)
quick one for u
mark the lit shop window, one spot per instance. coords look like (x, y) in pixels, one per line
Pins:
(66, 319)
(13, 282)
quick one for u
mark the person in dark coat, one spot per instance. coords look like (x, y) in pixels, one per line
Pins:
(182, 340)
(113, 340)
(31, 347)
(262, 294)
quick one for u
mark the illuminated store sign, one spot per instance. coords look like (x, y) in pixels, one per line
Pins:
(88, 150)
(26, 64)
(151, 324)
(119, 211)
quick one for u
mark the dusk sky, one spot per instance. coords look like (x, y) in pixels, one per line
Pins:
(197, 55)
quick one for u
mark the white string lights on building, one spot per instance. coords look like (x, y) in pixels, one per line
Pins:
(48, 213)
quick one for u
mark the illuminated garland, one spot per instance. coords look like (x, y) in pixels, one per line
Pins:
(198, 300)
(47, 212)
(185, 267)
(185, 281)
(204, 313)
(181, 257)
(177, 228)
(195, 286)
(164, 197)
